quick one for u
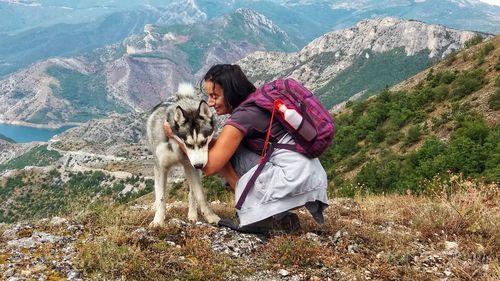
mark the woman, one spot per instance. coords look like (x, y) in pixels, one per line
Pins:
(289, 179)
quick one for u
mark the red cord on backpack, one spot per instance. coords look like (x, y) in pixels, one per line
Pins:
(264, 150)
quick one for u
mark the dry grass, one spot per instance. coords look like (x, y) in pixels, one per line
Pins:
(394, 237)
(118, 246)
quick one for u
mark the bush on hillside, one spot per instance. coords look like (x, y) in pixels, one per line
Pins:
(474, 41)
(494, 100)
(492, 148)
(486, 49)
(466, 83)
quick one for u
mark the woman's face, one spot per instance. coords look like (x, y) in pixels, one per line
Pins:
(215, 95)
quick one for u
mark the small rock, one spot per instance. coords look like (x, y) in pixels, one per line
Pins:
(283, 272)
(356, 222)
(10, 234)
(485, 267)
(315, 278)
(312, 236)
(177, 222)
(451, 248)
(337, 236)
(26, 273)
(73, 276)
(354, 248)
(58, 221)
(140, 232)
(9, 272)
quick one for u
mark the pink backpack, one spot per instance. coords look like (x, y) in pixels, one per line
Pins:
(312, 136)
(317, 129)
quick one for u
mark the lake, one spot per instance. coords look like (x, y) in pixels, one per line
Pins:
(28, 134)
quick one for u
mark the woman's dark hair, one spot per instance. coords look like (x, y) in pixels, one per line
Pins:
(233, 81)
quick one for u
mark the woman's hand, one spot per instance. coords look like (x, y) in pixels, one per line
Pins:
(169, 134)
(167, 129)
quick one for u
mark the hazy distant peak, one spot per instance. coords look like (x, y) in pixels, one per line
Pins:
(258, 20)
(22, 2)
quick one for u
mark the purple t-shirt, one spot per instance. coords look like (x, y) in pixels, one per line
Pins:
(253, 121)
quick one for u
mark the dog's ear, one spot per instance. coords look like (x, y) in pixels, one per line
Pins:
(204, 109)
(179, 115)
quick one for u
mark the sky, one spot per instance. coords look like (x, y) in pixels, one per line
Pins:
(492, 2)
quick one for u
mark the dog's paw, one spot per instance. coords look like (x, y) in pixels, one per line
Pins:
(192, 218)
(213, 219)
(155, 224)
(193, 215)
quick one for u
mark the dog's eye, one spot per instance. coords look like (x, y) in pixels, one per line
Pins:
(190, 146)
(203, 142)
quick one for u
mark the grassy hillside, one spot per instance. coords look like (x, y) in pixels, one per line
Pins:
(443, 121)
(37, 156)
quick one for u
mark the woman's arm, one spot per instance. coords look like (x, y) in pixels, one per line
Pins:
(225, 146)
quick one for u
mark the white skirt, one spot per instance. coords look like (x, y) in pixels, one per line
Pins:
(289, 180)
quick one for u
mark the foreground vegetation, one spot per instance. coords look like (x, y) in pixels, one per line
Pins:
(396, 237)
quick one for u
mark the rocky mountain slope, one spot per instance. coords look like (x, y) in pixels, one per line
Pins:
(38, 30)
(387, 48)
(134, 75)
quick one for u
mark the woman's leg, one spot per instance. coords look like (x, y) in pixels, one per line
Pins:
(230, 175)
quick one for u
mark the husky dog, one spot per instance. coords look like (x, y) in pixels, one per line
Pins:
(193, 125)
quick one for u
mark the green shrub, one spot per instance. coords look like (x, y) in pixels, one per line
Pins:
(450, 58)
(474, 41)
(465, 155)
(216, 190)
(492, 149)
(345, 142)
(376, 136)
(494, 100)
(380, 176)
(354, 161)
(413, 135)
(467, 83)
(441, 92)
(473, 128)
(486, 49)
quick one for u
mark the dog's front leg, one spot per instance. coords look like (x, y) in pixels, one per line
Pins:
(160, 182)
(194, 179)
(193, 207)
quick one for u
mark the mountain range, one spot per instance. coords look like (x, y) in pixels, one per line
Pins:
(145, 69)
(34, 30)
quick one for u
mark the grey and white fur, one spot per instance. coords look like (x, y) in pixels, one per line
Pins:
(193, 124)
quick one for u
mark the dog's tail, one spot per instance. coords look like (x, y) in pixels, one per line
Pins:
(185, 90)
